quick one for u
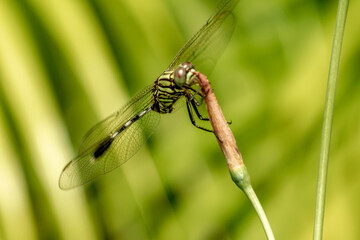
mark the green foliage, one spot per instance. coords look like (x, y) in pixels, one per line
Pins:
(64, 65)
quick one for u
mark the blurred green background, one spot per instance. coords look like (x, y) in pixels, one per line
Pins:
(65, 65)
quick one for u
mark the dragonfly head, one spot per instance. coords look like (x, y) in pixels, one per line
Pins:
(184, 74)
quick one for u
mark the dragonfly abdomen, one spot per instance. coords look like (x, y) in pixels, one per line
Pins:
(106, 143)
(103, 147)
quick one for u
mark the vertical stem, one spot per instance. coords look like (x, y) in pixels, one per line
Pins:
(328, 117)
(250, 193)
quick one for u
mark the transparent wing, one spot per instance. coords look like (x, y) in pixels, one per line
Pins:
(86, 167)
(206, 46)
(141, 101)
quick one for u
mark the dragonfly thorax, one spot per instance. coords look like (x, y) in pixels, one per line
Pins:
(172, 85)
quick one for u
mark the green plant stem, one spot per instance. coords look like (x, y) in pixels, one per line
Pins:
(328, 117)
(231, 152)
(242, 179)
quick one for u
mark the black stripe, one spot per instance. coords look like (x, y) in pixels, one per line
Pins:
(162, 86)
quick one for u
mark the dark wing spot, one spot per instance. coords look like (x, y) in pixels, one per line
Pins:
(103, 147)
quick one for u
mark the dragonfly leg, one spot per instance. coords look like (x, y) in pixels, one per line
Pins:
(194, 104)
(193, 94)
(192, 119)
(197, 102)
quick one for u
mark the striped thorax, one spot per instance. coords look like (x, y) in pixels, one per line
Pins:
(172, 85)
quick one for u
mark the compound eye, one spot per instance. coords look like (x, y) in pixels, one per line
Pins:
(187, 65)
(180, 76)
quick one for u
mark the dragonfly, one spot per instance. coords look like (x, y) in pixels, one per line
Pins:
(114, 140)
